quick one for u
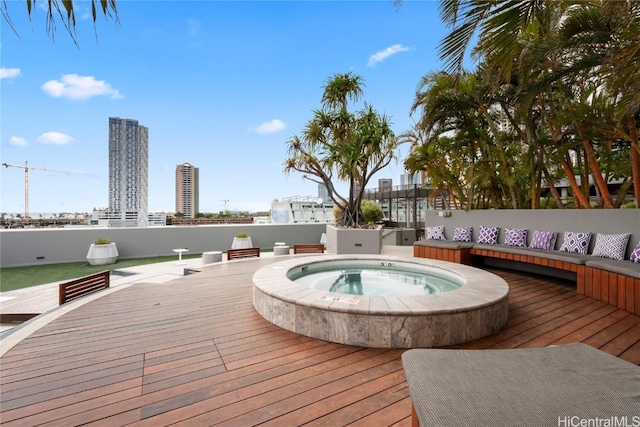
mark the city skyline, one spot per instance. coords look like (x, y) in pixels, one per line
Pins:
(222, 84)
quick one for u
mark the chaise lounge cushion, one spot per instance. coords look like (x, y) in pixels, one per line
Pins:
(520, 387)
(624, 267)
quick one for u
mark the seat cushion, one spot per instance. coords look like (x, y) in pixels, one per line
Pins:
(520, 387)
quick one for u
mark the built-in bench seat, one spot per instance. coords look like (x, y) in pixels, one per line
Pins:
(445, 250)
(612, 281)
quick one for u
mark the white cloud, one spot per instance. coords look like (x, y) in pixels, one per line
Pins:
(16, 141)
(272, 126)
(9, 73)
(74, 86)
(54, 138)
(194, 27)
(384, 54)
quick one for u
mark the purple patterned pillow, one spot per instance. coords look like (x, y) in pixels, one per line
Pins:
(635, 254)
(576, 242)
(543, 240)
(435, 233)
(611, 245)
(462, 234)
(488, 235)
(515, 237)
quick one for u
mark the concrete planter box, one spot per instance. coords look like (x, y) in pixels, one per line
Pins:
(354, 240)
(241, 243)
(102, 254)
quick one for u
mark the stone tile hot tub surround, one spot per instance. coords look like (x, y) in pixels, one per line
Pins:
(477, 309)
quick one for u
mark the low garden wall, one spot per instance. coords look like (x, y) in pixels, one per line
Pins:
(57, 245)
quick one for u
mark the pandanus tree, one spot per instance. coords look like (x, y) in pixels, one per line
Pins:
(64, 12)
(341, 145)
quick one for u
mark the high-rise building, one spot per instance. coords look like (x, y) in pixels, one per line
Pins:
(128, 173)
(385, 184)
(187, 188)
(323, 193)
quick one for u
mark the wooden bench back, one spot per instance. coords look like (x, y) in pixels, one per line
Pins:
(243, 253)
(308, 248)
(68, 291)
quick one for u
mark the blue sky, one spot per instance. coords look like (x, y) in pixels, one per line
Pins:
(221, 85)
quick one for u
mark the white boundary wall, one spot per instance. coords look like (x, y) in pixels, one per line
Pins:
(56, 245)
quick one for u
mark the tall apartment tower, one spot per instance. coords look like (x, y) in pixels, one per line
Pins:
(128, 173)
(187, 188)
(323, 193)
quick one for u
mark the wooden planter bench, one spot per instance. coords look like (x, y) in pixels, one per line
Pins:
(308, 248)
(243, 253)
(74, 289)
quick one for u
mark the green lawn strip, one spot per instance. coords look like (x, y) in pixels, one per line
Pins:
(22, 277)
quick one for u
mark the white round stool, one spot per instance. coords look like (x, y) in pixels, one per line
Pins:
(211, 257)
(280, 250)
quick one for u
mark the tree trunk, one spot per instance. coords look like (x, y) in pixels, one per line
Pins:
(635, 157)
(552, 188)
(577, 191)
(597, 175)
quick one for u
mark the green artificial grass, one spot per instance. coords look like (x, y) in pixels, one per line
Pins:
(22, 277)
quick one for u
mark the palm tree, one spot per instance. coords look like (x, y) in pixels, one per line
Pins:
(348, 146)
(542, 44)
(65, 11)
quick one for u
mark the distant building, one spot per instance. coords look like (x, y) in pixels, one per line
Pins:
(128, 173)
(385, 184)
(187, 189)
(409, 179)
(106, 218)
(323, 193)
(293, 210)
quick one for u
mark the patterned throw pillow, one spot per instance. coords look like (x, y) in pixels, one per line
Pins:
(515, 237)
(635, 254)
(611, 245)
(543, 240)
(576, 242)
(462, 234)
(488, 235)
(435, 233)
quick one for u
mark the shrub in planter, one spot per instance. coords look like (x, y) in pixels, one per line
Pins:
(102, 252)
(371, 211)
(242, 241)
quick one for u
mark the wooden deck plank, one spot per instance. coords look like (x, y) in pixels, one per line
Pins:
(149, 356)
(362, 408)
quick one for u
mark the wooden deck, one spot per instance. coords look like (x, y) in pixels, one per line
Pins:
(194, 352)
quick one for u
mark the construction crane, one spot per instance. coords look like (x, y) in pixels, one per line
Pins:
(225, 201)
(26, 168)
